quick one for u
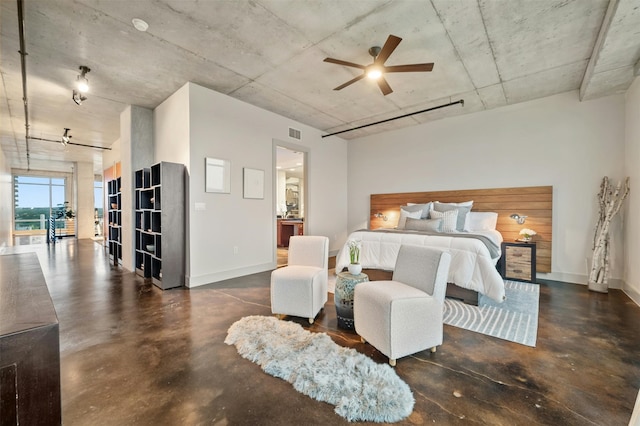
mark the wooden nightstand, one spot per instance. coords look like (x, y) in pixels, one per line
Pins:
(519, 261)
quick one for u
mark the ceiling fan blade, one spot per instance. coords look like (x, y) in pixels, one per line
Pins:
(409, 68)
(353, 80)
(345, 63)
(384, 86)
(388, 48)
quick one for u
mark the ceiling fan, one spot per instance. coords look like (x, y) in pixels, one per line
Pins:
(377, 69)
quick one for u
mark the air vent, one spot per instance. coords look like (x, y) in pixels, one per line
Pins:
(294, 133)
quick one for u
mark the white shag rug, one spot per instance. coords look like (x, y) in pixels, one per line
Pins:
(316, 366)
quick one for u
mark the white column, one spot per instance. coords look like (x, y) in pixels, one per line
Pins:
(136, 147)
(85, 202)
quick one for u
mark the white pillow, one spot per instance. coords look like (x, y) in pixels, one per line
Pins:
(481, 221)
(449, 219)
(405, 214)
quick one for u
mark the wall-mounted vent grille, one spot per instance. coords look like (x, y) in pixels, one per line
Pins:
(294, 133)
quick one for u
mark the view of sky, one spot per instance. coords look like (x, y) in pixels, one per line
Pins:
(38, 192)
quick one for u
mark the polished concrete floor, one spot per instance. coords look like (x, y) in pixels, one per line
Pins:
(132, 354)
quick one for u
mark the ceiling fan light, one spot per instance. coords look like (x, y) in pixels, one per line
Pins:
(374, 73)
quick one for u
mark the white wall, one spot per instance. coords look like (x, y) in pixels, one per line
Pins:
(6, 202)
(226, 128)
(111, 157)
(172, 143)
(171, 129)
(632, 211)
(556, 141)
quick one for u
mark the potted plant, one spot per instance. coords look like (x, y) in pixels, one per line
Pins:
(64, 211)
(355, 268)
(527, 234)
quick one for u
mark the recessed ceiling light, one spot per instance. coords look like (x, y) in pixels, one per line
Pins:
(139, 24)
(298, 164)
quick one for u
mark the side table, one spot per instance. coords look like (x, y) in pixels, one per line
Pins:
(343, 297)
(519, 261)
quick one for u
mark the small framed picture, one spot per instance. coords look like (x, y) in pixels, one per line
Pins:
(253, 183)
(217, 175)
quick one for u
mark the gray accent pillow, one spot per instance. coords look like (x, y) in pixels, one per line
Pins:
(402, 220)
(429, 225)
(462, 212)
(415, 207)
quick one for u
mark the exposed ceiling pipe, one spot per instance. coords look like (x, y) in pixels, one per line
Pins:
(69, 143)
(461, 102)
(23, 65)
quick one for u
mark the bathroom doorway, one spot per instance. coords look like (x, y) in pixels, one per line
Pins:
(291, 193)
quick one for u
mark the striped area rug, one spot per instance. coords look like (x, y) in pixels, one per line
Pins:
(515, 319)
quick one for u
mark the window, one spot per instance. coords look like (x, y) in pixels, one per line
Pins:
(35, 199)
(98, 200)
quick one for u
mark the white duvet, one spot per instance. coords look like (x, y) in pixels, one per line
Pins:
(471, 264)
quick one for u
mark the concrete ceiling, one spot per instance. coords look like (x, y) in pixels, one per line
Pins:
(270, 53)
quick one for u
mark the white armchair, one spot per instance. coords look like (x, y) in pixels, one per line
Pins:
(404, 316)
(300, 288)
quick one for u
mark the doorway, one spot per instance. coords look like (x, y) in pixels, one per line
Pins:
(290, 197)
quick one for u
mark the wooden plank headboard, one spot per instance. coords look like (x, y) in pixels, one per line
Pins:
(536, 202)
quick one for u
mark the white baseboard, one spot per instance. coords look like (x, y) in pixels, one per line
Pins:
(635, 416)
(617, 283)
(225, 275)
(634, 294)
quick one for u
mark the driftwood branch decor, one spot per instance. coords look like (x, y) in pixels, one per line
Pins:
(610, 200)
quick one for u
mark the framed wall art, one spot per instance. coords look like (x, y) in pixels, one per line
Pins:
(217, 175)
(253, 180)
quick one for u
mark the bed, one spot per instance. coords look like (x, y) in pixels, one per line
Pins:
(473, 270)
(473, 263)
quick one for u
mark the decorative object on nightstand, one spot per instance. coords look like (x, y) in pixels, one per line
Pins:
(354, 257)
(526, 235)
(519, 261)
(343, 297)
(610, 201)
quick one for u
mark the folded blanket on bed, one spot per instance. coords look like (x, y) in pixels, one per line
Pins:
(494, 248)
(472, 265)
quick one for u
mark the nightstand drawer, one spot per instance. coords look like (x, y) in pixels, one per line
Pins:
(519, 261)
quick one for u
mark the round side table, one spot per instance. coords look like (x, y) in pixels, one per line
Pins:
(343, 297)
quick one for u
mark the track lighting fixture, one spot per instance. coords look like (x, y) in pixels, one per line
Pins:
(66, 137)
(77, 97)
(82, 82)
(82, 86)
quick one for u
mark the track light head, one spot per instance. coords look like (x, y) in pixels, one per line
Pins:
(66, 137)
(82, 86)
(82, 82)
(78, 98)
